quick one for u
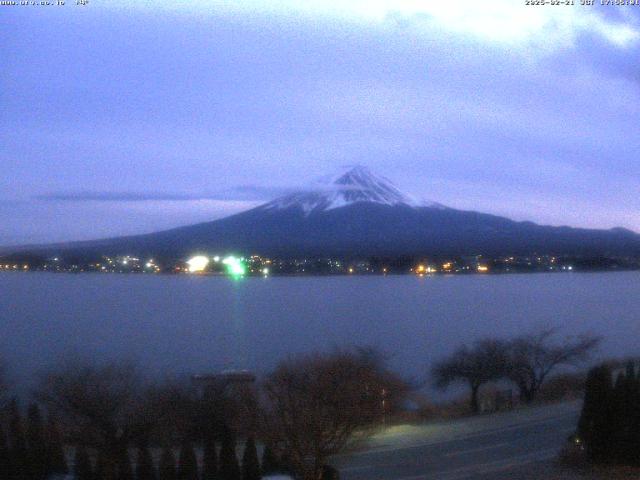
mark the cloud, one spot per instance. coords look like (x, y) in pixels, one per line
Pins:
(243, 192)
(258, 192)
(502, 21)
(116, 197)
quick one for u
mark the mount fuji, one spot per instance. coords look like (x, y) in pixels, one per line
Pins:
(361, 214)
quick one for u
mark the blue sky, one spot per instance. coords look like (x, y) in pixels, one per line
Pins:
(126, 117)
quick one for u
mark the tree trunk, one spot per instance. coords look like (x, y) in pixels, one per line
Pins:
(475, 407)
(527, 393)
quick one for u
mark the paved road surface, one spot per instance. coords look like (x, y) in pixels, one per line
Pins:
(499, 446)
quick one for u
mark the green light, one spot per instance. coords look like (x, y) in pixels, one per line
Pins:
(235, 266)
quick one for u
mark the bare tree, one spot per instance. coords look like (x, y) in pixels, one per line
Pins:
(174, 407)
(102, 403)
(316, 405)
(531, 358)
(482, 363)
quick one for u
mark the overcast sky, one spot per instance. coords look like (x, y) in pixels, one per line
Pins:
(122, 117)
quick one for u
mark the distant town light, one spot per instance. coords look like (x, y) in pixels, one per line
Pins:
(216, 258)
(197, 263)
(235, 266)
(483, 268)
(265, 271)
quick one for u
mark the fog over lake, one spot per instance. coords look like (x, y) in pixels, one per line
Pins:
(194, 324)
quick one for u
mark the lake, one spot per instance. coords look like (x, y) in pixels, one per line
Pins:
(196, 324)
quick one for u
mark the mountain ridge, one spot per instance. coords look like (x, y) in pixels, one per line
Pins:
(359, 213)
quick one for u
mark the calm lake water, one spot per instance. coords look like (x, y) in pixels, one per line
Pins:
(189, 324)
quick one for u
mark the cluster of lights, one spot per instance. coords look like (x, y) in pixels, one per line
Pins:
(197, 264)
(14, 267)
(151, 265)
(422, 269)
(256, 265)
(235, 266)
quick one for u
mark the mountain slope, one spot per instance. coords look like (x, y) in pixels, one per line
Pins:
(359, 213)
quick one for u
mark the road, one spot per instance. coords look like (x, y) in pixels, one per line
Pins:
(509, 445)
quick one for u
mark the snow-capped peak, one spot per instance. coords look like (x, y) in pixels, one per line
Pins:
(358, 184)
